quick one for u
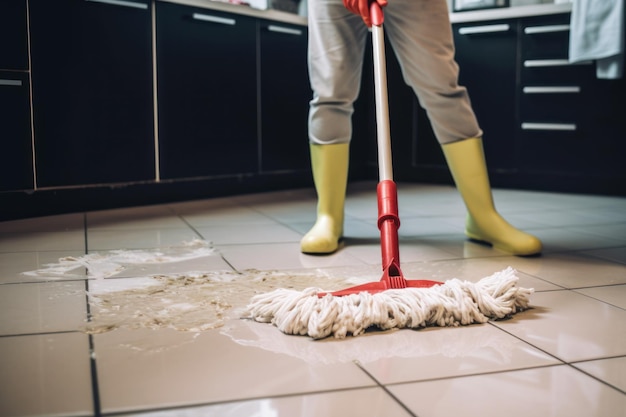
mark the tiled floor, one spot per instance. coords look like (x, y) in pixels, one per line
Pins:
(566, 356)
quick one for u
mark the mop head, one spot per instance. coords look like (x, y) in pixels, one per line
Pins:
(452, 303)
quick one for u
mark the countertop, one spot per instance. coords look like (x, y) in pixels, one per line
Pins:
(269, 14)
(459, 17)
(510, 12)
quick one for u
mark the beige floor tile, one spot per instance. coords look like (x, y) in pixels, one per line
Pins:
(366, 402)
(445, 352)
(58, 223)
(32, 267)
(42, 241)
(613, 294)
(281, 256)
(571, 326)
(166, 368)
(615, 231)
(232, 234)
(558, 391)
(612, 370)
(42, 307)
(475, 269)
(106, 239)
(574, 270)
(567, 239)
(147, 217)
(610, 254)
(225, 215)
(45, 375)
(239, 367)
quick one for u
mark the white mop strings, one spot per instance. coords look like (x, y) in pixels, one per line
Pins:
(452, 303)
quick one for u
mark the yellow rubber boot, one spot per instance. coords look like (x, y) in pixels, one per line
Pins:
(466, 161)
(330, 175)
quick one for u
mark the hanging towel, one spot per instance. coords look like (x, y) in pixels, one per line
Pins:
(597, 33)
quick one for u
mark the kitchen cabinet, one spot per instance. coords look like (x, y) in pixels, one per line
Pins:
(16, 157)
(13, 35)
(571, 127)
(207, 92)
(284, 97)
(92, 91)
(548, 124)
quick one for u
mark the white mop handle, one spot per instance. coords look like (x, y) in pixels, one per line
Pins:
(385, 168)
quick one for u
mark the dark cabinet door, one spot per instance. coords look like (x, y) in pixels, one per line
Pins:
(285, 95)
(572, 123)
(13, 35)
(487, 55)
(207, 92)
(16, 157)
(92, 91)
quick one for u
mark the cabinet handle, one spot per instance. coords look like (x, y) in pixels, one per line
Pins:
(214, 19)
(282, 29)
(549, 126)
(471, 30)
(552, 63)
(12, 83)
(122, 3)
(548, 90)
(531, 30)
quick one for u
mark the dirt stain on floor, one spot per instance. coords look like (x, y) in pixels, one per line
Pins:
(192, 301)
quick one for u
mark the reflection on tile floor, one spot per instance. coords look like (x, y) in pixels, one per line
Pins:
(566, 356)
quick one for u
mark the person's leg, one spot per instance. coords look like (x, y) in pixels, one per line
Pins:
(420, 33)
(336, 45)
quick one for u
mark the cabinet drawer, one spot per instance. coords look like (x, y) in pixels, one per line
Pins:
(545, 38)
(556, 72)
(551, 150)
(552, 103)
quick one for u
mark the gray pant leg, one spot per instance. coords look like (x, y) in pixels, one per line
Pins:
(336, 46)
(421, 36)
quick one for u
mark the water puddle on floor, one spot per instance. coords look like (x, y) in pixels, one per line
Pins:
(167, 288)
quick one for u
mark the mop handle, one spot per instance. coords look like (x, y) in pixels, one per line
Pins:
(385, 169)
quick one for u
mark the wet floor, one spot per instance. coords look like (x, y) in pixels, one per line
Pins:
(138, 311)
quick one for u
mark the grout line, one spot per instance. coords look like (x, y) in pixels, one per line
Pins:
(573, 365)
(95, 389)
(39, 334)
(192, 406)
(385, 388)
(563, 362)
(197, 232)
(85, 233)
(93, 366)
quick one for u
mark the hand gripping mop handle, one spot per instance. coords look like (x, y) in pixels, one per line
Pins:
(388, 220)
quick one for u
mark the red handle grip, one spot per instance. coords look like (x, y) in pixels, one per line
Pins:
(376, 12)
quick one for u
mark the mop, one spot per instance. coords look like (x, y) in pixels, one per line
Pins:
(392, 302)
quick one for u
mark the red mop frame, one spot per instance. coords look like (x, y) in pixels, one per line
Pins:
(386, 191)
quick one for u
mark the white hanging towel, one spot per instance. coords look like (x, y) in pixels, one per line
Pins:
(597, 33)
